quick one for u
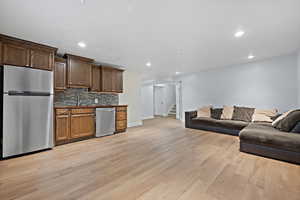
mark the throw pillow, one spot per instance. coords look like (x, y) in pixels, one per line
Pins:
(227, 112)
(288, 122)
(263, 115)
(204, 111)
(216, 113)
(275, 122)
(242, 113)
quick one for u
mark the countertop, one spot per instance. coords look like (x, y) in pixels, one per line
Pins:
(91, 106)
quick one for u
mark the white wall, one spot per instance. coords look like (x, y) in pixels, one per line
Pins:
(270, 83)
(132, 97)
(147, 101)
(298, 67)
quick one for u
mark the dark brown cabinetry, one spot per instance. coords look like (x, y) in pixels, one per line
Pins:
(111, 79)
(96, 78)
(15, 54)
(62, 128)
(79, 71)
(74, 124)
(41, 59)
(60, 74)
(27, 54)
(121, 119)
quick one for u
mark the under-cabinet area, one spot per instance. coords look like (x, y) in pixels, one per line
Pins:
(78, 123)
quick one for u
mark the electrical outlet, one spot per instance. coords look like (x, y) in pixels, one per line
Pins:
(96, 100)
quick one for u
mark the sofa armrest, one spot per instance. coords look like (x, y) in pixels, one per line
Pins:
(296, 128)
(188, 117)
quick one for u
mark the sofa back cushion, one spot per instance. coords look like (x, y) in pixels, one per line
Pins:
(227, 112)
(261, 115)
(287, 121)
(216, 113)
(204, 111)
(242, 113)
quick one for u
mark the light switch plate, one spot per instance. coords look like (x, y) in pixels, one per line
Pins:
(96, 100)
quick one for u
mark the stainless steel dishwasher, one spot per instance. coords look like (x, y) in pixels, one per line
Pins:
(105, 121)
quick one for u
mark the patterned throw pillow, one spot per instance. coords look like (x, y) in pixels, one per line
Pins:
(204, 111)
(263, 115)
(242, 113)
(227, 112)
(216, 113)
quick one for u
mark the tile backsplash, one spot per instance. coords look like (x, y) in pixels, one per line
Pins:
(69, 98)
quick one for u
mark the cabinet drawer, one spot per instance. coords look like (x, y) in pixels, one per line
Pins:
(121, 125)
(121, 109)
(62, 111)
(82, 111)
(121, 116)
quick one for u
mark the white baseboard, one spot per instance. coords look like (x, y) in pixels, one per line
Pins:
(149, 117)
(136, 123)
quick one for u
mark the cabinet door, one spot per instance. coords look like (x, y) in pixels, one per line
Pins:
(60, 75)
(96, 79)
(106, 76)
(41, 59)
(15, 54)
(121, 119)
(82, 125)
(117, 80)
(79, 73)
(62, 131)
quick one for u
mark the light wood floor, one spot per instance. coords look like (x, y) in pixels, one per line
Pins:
(160, 160)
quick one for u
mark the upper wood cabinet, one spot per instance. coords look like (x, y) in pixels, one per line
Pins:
(111, 79)
(79, 71)
(15, 54)
(96, 78)
(19, 52)
(41, 59)
(106, 79)
(1, 53)
(117, 80)
(60, 74)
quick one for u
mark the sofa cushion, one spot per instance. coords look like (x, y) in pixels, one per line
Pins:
(204, 111)
(216, 113)
(288, 122)
(267, 135)
(261, 115)
(229, 124)
(242, 113)
(227, 112)
(205, 121)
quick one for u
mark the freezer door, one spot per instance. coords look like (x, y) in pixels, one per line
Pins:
(27, 124)
(27, 79)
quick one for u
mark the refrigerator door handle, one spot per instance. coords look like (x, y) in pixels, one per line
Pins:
(27, 93)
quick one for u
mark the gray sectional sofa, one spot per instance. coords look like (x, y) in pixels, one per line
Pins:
(258, 138)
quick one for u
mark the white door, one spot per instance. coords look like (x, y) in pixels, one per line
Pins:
(159, 101)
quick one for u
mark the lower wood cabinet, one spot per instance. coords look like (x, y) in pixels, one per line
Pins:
(74, 124)
(82, 125)
(121, 119)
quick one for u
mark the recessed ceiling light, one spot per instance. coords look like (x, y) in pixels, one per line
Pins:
(177, 73)
(239, 33)
(82, 1)
(148, 64)
(81, 44)
(251, 56)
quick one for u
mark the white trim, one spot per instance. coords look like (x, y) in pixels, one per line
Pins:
(148, 117)
(136, 123)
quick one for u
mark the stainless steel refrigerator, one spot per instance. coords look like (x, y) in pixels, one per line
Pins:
(27, 110)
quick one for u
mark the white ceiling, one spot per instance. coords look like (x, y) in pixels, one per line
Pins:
(174, 35)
